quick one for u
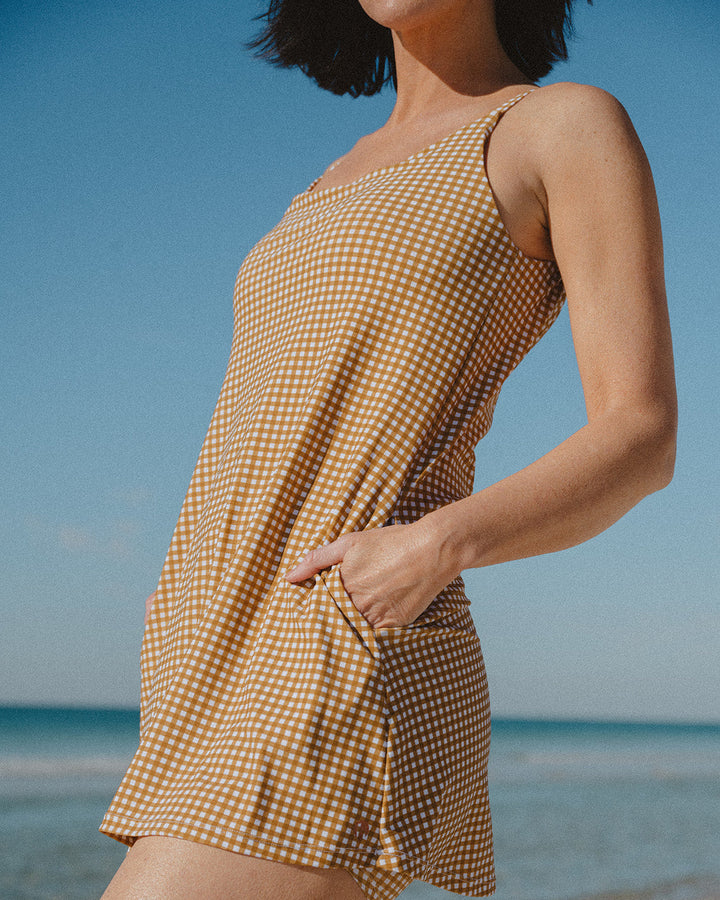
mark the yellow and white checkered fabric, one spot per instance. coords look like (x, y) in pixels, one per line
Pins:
(374, 326)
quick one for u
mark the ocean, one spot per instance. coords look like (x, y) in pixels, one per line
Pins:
(581, 810)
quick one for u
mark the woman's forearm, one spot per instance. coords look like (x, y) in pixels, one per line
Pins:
(569, 495)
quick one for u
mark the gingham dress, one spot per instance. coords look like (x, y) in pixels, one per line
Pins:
(374, 326)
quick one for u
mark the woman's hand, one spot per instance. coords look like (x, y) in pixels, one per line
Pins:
(391, 574)
(148, 605)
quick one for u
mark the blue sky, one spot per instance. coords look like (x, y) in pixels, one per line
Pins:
(143, 152)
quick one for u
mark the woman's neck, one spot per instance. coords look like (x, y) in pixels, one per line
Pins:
(441, 66)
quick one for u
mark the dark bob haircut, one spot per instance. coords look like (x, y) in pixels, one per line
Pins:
(345, 51)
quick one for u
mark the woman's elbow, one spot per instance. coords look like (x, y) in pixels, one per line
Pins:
(665, 467)
(661, 445)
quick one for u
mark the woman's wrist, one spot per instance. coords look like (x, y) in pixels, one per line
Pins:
(447, 540)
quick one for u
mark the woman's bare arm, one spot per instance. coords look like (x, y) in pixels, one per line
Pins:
(605, 232)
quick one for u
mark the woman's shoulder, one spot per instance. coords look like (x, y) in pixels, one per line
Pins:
(566, 113)
(563, 141)
(567, 125)
(572, 97)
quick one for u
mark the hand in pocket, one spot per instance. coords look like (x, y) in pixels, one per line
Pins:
(391, 574)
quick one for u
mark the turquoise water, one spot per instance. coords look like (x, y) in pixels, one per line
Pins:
(582, 811)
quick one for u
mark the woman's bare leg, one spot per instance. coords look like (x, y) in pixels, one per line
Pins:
(162, 868)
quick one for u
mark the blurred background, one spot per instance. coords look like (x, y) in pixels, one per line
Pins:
(143, 152)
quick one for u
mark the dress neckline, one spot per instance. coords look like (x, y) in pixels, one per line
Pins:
(311, 192)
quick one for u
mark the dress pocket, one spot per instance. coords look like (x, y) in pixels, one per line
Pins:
(352, 615)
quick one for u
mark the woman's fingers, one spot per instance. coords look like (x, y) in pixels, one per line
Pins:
(320, 558)
(317, 559)
(148, 605)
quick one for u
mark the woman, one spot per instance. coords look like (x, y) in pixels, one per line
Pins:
(315, 718)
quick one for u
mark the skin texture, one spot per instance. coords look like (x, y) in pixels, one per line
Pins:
(571, 183)
(162, 868)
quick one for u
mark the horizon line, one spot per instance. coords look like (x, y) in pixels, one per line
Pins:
(497, 718)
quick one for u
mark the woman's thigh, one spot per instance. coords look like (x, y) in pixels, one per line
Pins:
(162, 868)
